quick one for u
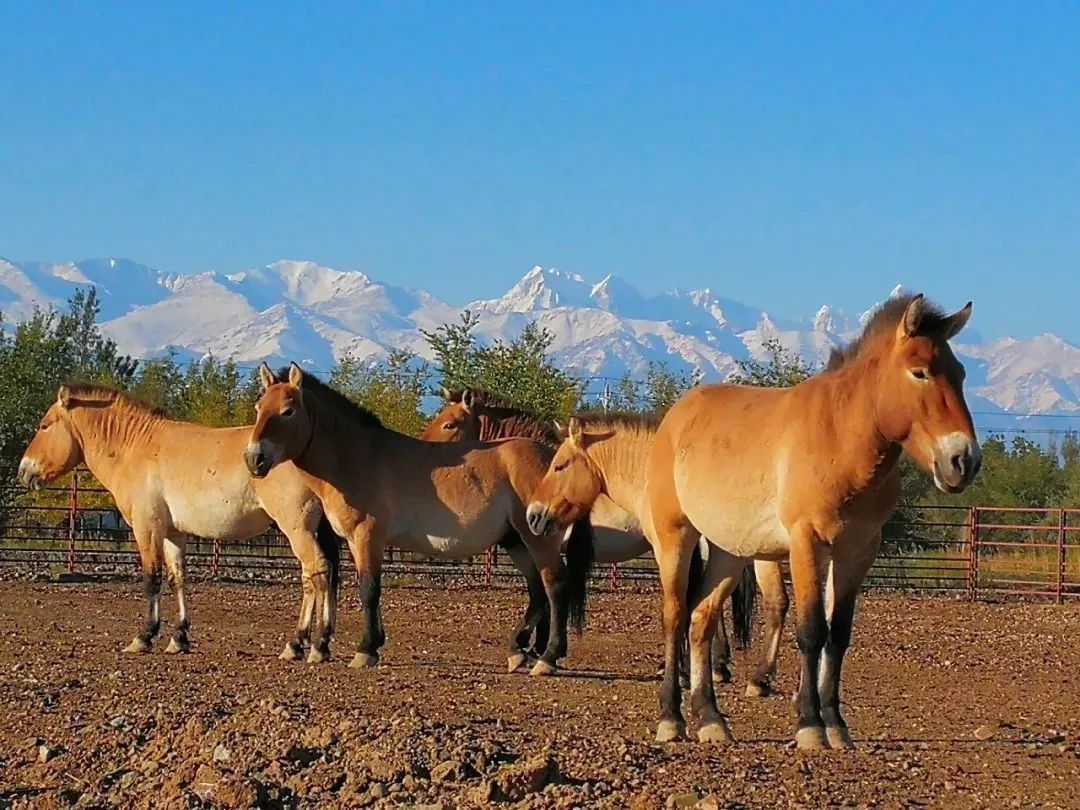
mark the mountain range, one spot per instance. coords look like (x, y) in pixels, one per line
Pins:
(298, 310)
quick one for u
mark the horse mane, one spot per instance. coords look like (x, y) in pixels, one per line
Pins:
(337, 402)
(631, 421)
(106, 394)
(882, 324)
(513, 421)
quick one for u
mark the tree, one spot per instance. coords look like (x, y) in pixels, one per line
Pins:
(658, 392)
(519, 371)
(783, 369)
(393, 390)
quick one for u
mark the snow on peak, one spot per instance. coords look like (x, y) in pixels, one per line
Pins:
(541, 289)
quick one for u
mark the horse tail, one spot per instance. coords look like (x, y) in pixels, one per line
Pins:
(696, 573)
(330, 545)
(580, 556)
(743, 605)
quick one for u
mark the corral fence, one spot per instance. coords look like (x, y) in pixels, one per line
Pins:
(977, 552)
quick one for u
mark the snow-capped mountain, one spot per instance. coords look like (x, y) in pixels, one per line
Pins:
(303, 311)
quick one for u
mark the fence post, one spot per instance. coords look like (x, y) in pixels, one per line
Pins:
(489, 566)
(1061, 556)
(973, 553)
(613, 577)
(73, 508)
(215, 560)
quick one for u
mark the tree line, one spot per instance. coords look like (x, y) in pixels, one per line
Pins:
(55, 346)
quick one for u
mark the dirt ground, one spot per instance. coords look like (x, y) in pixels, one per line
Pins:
(950, 704)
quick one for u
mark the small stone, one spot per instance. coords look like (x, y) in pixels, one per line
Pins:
(378, 790)
(45, 753)
(221, 753)
(515, 782)
(128, 780)
(710, 802)
(984, 732)
(949, 786)
(118, 721)
(682, 800)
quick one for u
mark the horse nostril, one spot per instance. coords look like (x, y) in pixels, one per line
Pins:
(959, 463)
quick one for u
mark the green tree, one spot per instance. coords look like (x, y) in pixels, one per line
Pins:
(782, 369)
(519, 371)
(393, 390)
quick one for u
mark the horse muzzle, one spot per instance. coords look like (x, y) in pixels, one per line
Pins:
(538, 517)
(29, 475)
(258, 462)
(957, 462)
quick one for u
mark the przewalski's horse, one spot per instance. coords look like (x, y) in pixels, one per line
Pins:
(605, 454)
(808, 473)
(381, 488)
(474, 415)
(172, 480)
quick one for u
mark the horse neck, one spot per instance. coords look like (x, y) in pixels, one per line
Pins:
(111, 436)
(848, 413)
(334, 447)
(621, 461)
(510, 425)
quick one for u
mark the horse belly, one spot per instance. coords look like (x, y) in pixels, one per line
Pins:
(447, 539)
(759, 535)
(221, 518)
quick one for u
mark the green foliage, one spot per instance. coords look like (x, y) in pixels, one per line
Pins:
(658, 392)
(392, 390)
(783, 369)
(519, 371)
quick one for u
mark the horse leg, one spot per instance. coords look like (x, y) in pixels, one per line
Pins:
(175, 547)
(807, 554)
(674, 551)
(150, 553)
(721, 576)
(317, 600)
(846, 574)
(367, 549)
(721, 651)
(537, 610)
(771, 581)
(553, 575)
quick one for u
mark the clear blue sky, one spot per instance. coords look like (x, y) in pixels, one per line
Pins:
(784, 155)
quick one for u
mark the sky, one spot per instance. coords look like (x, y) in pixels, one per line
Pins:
(785, 155)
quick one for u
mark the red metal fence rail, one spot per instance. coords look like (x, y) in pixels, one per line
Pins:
(980, 552)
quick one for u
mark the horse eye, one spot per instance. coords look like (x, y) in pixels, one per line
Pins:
(287, 412)
(918, 373)
(560, 467)
(449, 426)
(43, 426)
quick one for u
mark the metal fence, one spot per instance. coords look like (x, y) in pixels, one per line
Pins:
(978, 552)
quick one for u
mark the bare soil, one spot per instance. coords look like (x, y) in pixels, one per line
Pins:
(951, 704)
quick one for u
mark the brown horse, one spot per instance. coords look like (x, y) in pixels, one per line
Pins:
(606, 454)
(172, 480)
(381, 488)
(474, 414)
(808, 473)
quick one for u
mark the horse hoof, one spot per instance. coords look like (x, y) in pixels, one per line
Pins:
(839, 738)
(317, 656)
(670, 730)
(138, 646)
(721, 676)
(363, 661)
(292, 652)
(178, 646)
(542, 668)
(811, 738)
(715, 733)
(758, 690)
(516, 662)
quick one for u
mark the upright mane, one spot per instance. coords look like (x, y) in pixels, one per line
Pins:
(91, 392)
(630, 421)
(337, 402)
(882, 324)
(509, 421)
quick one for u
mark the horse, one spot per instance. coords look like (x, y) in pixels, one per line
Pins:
(604, 455)
(172, 480)
(379, 487)
(807, 472)
(475, 414)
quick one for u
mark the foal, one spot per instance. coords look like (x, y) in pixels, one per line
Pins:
(172, 480)
(808, 473)
(381, 488)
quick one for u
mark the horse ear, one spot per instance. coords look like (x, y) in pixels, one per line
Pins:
(444, 392)
(468, 399)
(957, 321)
(266, 376)
(63, 397)
(562, 430)
(296, 376)
(912, 316)
(575, 432)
